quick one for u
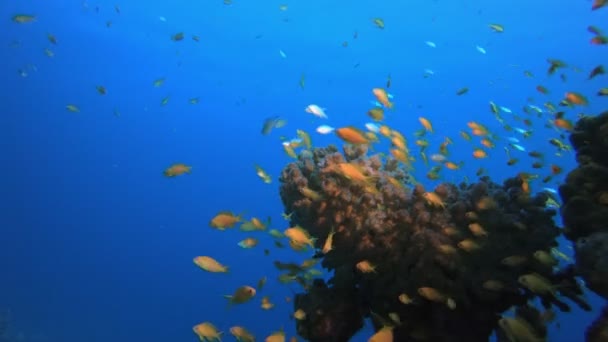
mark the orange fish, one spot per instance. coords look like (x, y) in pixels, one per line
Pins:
(479, 132)
(177, 170)
(207, 332)
(576, 98)
(248, 243)
(352, 135)
(487, 143)
(426, 124)
(477, 129)
(382, 97)
(599, 40)
(385, 131)
(352, 172)
(563, 123)
(400, 155)
(225, 219)
(525, 186)
(452, 166)
(399, 142)
(210, 265)
(555, 169)
(376, 113)
(479, 153)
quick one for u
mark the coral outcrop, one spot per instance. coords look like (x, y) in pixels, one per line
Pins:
(585, 198)
(445, 262)
(585, 210)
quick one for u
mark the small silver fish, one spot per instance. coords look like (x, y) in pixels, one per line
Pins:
(518, 147)
(325, 129)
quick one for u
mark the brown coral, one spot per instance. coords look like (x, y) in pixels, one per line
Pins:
(415, 244)
(585, 210)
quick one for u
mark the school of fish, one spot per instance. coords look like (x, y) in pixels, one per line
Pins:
(416, 151)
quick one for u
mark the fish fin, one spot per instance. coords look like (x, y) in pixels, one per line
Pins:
(229, 304)
(373, 178)
(241, 215)
(332, 230)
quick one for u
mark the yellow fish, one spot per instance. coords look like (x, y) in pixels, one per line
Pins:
(262, 174)
(207, 332)
(497, 28)
(225, 219)
(382, 97)
(241, 334)
(72, 108)
(24, 18)
(248, 243)
(210, 265)
(277, 336)
(426, 124)
(177, 170)
(379, 22)
(305, 138)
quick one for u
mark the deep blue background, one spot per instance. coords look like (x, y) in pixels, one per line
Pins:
(98, 245)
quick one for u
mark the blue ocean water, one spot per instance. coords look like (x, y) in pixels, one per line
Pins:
(98, 245)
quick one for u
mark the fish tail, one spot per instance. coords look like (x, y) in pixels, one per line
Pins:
(312, 242)
(240, 216)
(229, 304)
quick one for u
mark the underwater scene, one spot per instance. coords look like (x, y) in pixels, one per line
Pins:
(326, 171)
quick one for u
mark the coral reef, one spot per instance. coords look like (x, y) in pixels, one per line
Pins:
(438, 264)
(585, 198)
(332, 313)
(585, 210)
(598, 331)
